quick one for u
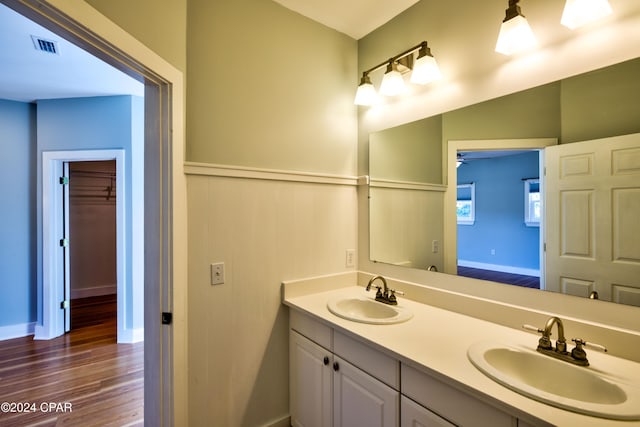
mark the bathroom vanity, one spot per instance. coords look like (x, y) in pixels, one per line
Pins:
(414, 372)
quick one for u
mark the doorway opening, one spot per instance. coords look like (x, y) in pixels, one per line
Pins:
(165, 379)
(127, 212)
(499, 216)
(92, 250)
(451, 197)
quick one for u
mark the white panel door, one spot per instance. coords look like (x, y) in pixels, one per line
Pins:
(310, 383)
(361, 400)
(593, 218)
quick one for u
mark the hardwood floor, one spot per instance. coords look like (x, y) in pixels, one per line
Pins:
(93, 311)
(497, 276)
(80, 379)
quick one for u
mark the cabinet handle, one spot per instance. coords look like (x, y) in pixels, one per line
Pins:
(336, 366)
(326, 360)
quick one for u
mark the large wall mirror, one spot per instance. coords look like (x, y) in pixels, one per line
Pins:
(410, 189)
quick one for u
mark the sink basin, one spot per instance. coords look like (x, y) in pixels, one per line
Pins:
(579, 389)
(367, 310)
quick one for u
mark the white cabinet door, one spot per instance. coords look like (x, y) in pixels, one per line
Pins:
(414, 415)
(361, 400)
(309, 383)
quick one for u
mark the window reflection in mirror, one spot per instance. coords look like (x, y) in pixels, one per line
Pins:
(465, 204)
(532, 202)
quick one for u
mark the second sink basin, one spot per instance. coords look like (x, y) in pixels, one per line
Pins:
(556, 382)
(367, 310)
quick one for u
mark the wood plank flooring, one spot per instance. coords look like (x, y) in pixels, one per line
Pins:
(497, 276)
(93, 310)
(83, 378)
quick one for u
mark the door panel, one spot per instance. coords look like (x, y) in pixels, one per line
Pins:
(577, 223)
(592, 210)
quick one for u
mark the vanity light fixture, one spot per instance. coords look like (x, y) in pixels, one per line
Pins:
(424, 70)
(515, 32)
(581, 12)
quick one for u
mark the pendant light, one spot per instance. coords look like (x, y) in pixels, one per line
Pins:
(581, 12)
(425, 67)
(392, 81)
(515, 32)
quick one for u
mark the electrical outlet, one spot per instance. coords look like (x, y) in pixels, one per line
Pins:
(350, 258)
(493, 251)
(435, 246)
(217, 273)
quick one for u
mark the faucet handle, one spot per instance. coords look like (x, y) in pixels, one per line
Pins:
(544, 341)
(378, 292)
(393, 292)
(532, 328)
(579, 342)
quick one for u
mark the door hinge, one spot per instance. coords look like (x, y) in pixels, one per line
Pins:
(544, 247)
(167, 318)
(64, 243)
(64, 304)
(64, 180)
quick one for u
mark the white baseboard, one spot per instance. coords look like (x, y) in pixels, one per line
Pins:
(17, 331)
(501, 268)
(95, 291)
(130, 336)
(282, 422)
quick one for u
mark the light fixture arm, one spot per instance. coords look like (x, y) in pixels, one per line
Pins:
(394, 59)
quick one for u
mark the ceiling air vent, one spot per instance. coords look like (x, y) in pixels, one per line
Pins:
(45, 45)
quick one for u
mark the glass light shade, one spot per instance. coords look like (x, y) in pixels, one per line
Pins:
(515, 36)
(581, 12)
(366, 94)
(392, 82)
(425, 70)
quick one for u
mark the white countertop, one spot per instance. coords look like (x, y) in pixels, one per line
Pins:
(436, 341)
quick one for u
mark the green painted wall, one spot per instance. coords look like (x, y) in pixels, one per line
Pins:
(601, 103)
(597, 104)
(533, 113)
(161, 25)
(269, 88)
(411, 152)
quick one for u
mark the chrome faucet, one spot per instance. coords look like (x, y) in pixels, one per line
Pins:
(384, 294)
(577, 356)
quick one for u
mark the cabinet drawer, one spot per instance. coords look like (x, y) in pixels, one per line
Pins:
(310, 328)
(450, 403)
(370, 360)
(412, 414)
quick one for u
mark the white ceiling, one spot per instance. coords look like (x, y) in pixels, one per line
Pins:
(27, 74)
(355, 18)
